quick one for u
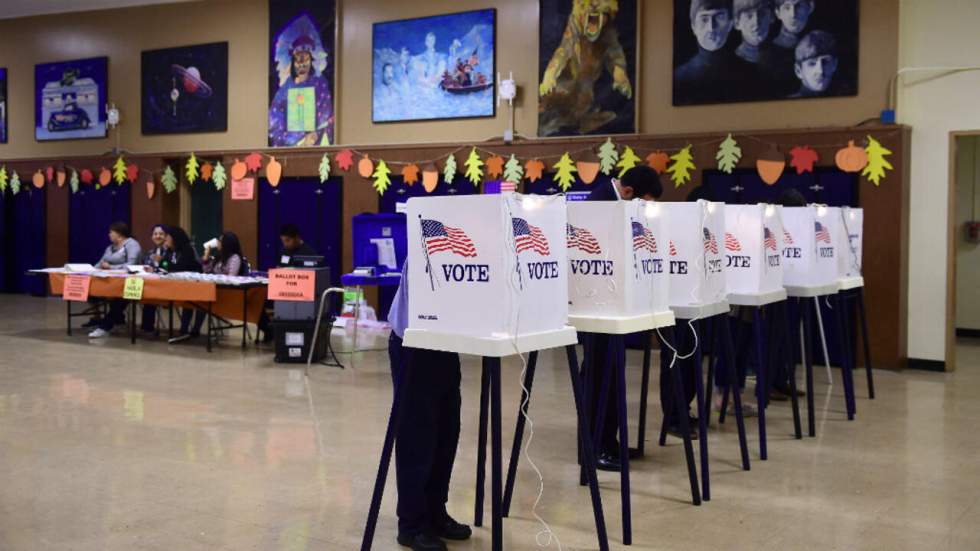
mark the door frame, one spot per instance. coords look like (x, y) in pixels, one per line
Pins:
(951, 247)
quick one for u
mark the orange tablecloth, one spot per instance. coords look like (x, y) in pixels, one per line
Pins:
(226, 302)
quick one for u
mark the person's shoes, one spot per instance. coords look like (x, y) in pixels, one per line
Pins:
(786, 390)
(178, 339)
(422, 542)
(776, 395)
(674, 429)
(607, 462)
(98, 333)
(267, 337)
(93, 322)
(455, 531)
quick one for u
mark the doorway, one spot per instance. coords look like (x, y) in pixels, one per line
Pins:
(963, 325)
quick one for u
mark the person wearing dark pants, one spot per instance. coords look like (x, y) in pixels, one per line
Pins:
(226, 260)
(684, 346)
(427, 437)
(152, 261)
(122, 251)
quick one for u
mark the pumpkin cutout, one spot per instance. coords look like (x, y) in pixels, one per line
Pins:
(38, 179)
(105, 177)
(365, 167)
(658, 160)
(151, 188)
(238, 170)
(60, 178)
(770, 166)
(430, 178)
(273, 171)
(852, 158)
(587, 171)
(49, 172)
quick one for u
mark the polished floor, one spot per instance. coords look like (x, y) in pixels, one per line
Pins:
(108, 446)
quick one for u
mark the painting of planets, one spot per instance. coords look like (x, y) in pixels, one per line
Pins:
(185, 89)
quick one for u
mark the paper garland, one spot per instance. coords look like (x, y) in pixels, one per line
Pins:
(627, 161)
(3, 178)
(877, 164)
(14, 183)
(410, 174)
(565, 172)
(449, 170)
(802, 158)
(218, 176)
(495, 166)
(729, 153)
(474, 167)
(191, 169)
(533, 169)
(207, 170)
(513, 171)
(119, 171)
(608, 156)
(253, 161)
(73, 181)
(168, 180)
(680, 170)
(381, 177)
(324, 168)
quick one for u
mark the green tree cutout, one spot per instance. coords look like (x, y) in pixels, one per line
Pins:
(449, 171)
(169, 180)
(219, 176)
(474, 167)
(877, 163)
(191, 170)
(513, 170)
(382, 177)
(627, 161)
(728, 155)
(3, 178)
(324, 168)
(14, 183)
(565, 172)
(73, 181)
(608, 156)
(680, 170)
(119, 171)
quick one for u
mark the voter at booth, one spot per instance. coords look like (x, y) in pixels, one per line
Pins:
(122, 251)
(428, 434)
(640, 182)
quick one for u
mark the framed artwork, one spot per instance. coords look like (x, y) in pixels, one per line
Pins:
(185, 89)
(70, 99)
(587, 67)
(3, 105)
(759, 50)
(302, 36)
(439, 67)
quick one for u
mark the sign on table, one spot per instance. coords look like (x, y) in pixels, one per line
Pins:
(133, 289)
(76, 287)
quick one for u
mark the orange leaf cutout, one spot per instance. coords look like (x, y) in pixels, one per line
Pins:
(206, 170)
(495, 167)
(345, 159)
(132, 172)
(253, 162)
(238, 170)
(803, 158)
(658, 161)
(86, 176)
(105, 177)
(365, 167)
(533, 169)
(410, 174)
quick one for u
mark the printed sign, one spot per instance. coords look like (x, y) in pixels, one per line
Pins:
(133, 289)
(294, 285)
(243, 190)
(76, 287)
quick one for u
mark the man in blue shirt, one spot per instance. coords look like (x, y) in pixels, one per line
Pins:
(427, 437)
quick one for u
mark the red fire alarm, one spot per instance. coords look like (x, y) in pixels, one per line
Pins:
(972, 232)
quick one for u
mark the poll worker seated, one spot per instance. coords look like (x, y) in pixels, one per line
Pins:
(179, 255)
(639, 182)
(123, 250)
(221, 256)
(427, 436)
(292, 246)
(151, 260)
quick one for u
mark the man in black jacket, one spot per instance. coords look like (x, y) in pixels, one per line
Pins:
(292, 244)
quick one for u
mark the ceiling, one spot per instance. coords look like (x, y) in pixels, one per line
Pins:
(10, 9)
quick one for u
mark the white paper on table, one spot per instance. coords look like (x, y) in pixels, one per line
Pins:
(386, 252)
(79, 268)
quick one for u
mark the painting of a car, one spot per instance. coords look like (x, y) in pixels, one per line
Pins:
(69, 118)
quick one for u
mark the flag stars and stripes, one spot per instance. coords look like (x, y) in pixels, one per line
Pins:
(439, 238)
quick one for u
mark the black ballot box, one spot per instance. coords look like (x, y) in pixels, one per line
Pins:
(295, 338)
(286, 310)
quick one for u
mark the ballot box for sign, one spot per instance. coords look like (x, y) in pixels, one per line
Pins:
(753, 257)
(809, 248)
(487, 274)
(695, 250)
(617, 279)
(852, 223)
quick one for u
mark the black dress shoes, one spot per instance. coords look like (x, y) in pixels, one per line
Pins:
(607, 462)
(422, 542)
(455, 531)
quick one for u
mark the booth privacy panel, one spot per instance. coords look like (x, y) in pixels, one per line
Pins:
(695, 252)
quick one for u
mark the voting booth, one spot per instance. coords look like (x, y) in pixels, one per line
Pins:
(809, 248)
(753, 249)
(486, 268)
(616, 259)
(853, 223)
(695, 253)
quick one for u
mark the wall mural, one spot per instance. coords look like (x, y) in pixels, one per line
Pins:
(185, 89)
(70, 99)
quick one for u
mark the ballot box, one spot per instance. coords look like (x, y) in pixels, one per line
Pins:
(753, 249)
(616, 259)
(695, 254)
(809, 249)
(486, 267)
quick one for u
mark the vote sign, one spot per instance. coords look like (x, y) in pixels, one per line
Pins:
(809, 249)
(753, 248)
(695, 255)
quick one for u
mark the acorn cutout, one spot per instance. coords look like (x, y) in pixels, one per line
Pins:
(771, 165)
(273, 171)
(151, 188)
(852, 158)
(238, 170)
(430, 178)
(587, 171)
(60, 177)
(38, 179)
(365, 167)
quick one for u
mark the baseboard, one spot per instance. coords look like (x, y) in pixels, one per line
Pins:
(961, 332)
(927, 365)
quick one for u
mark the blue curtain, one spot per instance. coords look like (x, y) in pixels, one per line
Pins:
(90, 212)
(23, 230)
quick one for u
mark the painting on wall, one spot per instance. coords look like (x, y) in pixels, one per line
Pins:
(185, 89)
(301, 72)
(757, 50)
(439, 67)
(70, 99)
(587, 67)
(3, 105)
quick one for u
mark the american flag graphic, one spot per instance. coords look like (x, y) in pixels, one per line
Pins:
(768, 239)
(528, 237)
(822, 233)
(642, 238)
(582, 239)
(507, 186)
(787, 238)
(710, 244)
(731, 242)
(439, 238)
(673, 249)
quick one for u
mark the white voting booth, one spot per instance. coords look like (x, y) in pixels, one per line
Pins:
(810, 250)
(852, 221)
(487, 274)
(617, 278)
(753, 245)
(695, 258)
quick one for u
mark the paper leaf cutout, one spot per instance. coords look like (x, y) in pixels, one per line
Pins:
(680, 170)
(382, 177)
(14, 183)
(191, 169)
(49, 173)
(345, 159)
(219, 177)
(3, 178)
(627, 161)
(533, 169)
(410, 174)
(474, 167)
(877, 163)
(169, 180)
(324, 168)
(449, 170)
(608, 156)
(565, 172)
(802, 158)
(658, 161)
(253, 161)
(73, 181)
(728, 155)
(87, 176)
(495, 167)
(207, 170)
(132, 172)
(119, 171)
(513, 171)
